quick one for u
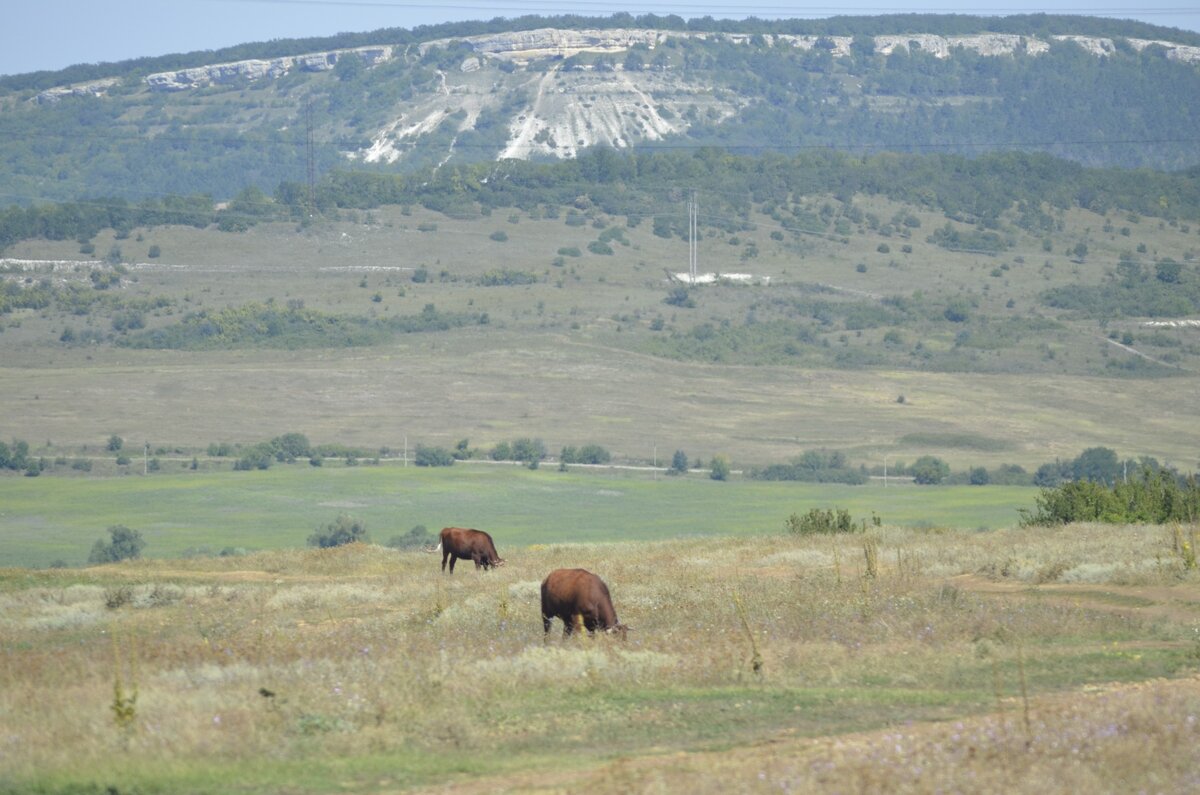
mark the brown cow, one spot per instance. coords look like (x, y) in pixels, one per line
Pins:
(575, 595)
(476, 545)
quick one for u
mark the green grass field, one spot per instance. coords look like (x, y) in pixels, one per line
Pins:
(51, 518)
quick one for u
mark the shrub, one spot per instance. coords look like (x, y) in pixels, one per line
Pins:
(415, 538)
(433, 457)
(679, 463)
(596, 247)
(719, 469)
(344, 530)
(125, 544)
(825, 521)
(929, 470)
(500, 236)
(679, 296)
(1156, 496)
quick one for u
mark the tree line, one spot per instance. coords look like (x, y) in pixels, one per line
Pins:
(630, 184)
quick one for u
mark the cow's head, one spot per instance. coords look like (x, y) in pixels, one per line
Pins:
(618, 629)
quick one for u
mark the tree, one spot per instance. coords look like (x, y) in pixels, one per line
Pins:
(115, 443)
(679, 463)
(929, 470)
(679, 296)
(1097, 464)
(433, 457)
(344, 530)
(1168, 271)
(719, 469)
(125, 544)
(978, 476)
(528, 450)
(291, 446)
(593, 454)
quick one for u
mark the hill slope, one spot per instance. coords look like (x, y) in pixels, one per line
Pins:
(1126, 98)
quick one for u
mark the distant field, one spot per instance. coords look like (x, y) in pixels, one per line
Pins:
(591, 353)
(49, 518)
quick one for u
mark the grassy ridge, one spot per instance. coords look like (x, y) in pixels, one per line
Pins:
(49, 518)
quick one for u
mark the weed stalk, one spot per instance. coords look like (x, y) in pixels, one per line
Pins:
(871, 552)
(756, 659)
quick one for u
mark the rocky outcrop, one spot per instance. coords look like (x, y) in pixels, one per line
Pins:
(529, 45)
(199, 76)
(95, 88)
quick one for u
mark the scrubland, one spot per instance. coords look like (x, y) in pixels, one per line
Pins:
(1020, 660)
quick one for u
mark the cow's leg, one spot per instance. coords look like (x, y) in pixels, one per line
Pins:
(446, 553)
(453, 560)
(546, 625)
(478, 561)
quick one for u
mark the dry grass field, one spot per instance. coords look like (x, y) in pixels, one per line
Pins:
(567, 358)
(1023, 660)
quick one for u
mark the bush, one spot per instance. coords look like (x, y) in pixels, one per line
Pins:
(344, 530)
(679, 463)
(593, 454)
(125, 544)
(1153, 497)
(818, 521)
(433, 457)
(719, 469)
(414, 539)
(813, 466)
(929, 470)
(500, 236)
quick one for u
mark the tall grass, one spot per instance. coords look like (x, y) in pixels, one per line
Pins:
(333, 670)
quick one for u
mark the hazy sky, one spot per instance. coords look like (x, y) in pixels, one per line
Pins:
(51, 34)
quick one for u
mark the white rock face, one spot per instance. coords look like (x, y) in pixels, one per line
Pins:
(625, 108)
(95, 88)
(200, 76)
(528, 45)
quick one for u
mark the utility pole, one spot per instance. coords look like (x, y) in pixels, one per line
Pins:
(312, 167)
(146, 458)
(693, 244)
(885, 471)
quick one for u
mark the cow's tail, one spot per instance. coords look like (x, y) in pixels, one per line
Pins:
(438, 548)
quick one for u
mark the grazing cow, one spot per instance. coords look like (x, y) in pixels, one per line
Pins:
(575, 595)
(476, 545)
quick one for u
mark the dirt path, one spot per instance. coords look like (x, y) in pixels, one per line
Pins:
(975, 749)
(1176, 602)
